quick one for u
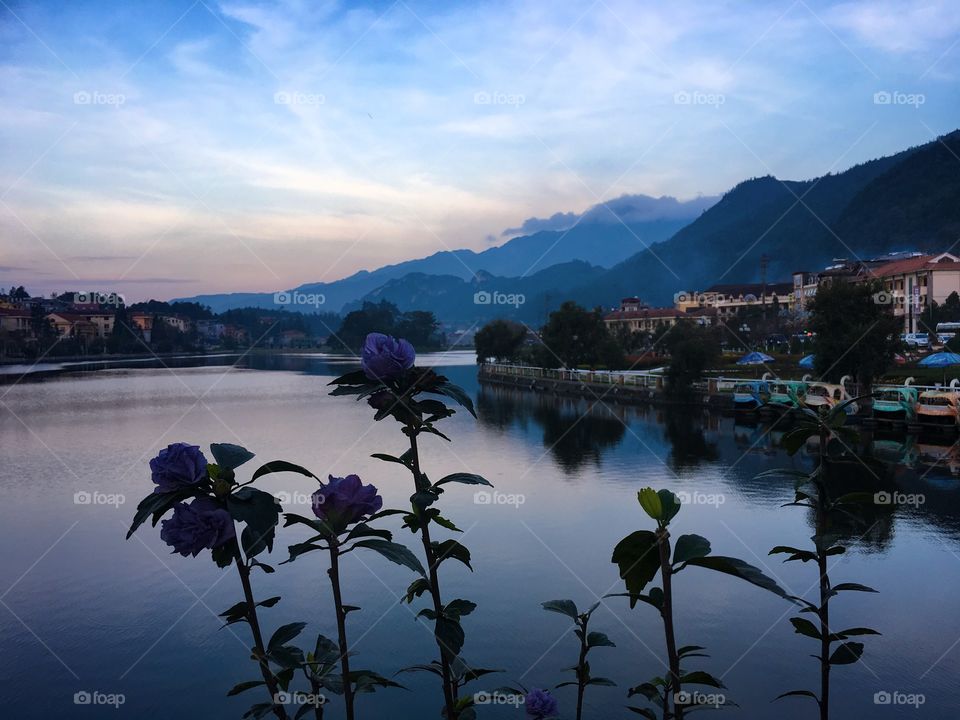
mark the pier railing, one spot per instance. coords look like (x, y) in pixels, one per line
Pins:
(631, 378)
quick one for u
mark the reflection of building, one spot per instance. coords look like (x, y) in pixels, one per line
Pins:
(637, 317)
(729, 300)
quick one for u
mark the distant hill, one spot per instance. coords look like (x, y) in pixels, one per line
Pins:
(485, 296)
(910, 200)
(603, 235)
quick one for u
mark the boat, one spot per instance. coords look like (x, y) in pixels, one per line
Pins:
(786, 394)
(939, 408)
(829, 395)
(896, 404)
(750, 395)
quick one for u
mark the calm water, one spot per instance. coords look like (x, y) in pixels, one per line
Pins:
(84, 610)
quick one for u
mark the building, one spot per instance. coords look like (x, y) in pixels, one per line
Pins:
(728, 300)
(635, 316)
(79, 326)
(15, 320)
(912, 283)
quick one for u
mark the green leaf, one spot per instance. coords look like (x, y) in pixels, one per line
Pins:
(564, 607)
(459, 608)
(284, 634)
(442, 521)
(638, 559)
(394, 552)
(699, 677)
(691, 651)
(463, 479)
(390, 458)
(670, 504)
(275, 466)
(648, 690)
(798, 693)
(230, 456)
(598, 639)
(602, 681)
(355, 377)
(844, 634)
(690, 546)
(851, 587)
(740, 569)
(156, 504)
(805, 627)
(259, 510)
(456, 393)
(846, 653)
(650, 502)
(795, 553)
(449, 635)
(240, 687)
(452, 549)
(417, 588)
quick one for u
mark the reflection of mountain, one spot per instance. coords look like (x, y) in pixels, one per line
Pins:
(575, 432)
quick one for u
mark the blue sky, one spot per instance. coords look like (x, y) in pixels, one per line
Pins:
(170, 148)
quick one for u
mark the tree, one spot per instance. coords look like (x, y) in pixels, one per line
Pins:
(693, 348)
(856, 332)
(499, 339)
(372, 317)
(574, 336)
(418, 327)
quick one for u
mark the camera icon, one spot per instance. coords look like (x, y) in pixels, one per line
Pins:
(684, 497)
(482, 497)
(282, 698)
(682, 698)
(482, 698)
(82, 698)
(482, 298)
(284, 497)
(81, 98)
(681, 98)
(883, 297)
(882, 98)
(481, 98)
(882, 498)
(281, 97)
(281, 298)
(882, 698)
(82, 498)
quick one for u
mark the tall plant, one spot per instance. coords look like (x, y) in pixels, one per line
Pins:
(217, 502)
(588, 640)
(640, 557)
(394, 387)
(814, 491)
(343, 508)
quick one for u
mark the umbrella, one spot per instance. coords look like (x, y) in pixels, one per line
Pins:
(806, 362)
(758, 358)
(940, 359)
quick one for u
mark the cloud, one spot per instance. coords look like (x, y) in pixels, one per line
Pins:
(557, 221)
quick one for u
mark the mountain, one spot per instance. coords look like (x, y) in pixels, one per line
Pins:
(906, 201)
(603, 235)
(485, 296)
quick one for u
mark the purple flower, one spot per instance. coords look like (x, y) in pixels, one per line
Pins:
(177, 467)
(204, 523)
(540, 704)
(344, 501)
(386, 358)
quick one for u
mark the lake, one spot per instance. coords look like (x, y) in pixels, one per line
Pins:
(83, 610)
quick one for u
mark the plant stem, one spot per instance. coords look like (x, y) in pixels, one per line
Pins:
(260, 648)
(581, 669)
(334, 573)
(448, 684)
(824, 582)
(666, 612)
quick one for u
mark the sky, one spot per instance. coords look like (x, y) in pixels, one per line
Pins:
(168, 149)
